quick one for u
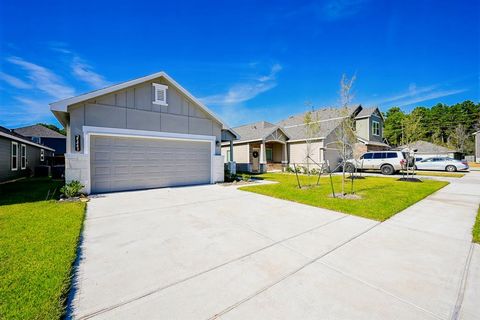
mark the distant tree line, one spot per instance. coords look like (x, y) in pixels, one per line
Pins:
(451, 126)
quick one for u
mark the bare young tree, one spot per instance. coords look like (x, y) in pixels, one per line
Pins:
(459, 138)
(312, 128)
(345, 132)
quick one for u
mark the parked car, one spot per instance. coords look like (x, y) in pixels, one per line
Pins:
(442, 164)
(388, 162)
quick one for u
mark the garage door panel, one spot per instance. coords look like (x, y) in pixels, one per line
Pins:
(119, 163)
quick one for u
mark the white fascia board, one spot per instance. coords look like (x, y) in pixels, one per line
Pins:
(9, 136)
(88, 130)
(62, 105)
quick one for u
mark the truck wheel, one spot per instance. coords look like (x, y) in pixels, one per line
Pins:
(387, 169)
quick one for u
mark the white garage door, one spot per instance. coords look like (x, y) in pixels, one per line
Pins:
(121, 163)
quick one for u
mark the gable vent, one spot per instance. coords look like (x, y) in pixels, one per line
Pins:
(160, 94)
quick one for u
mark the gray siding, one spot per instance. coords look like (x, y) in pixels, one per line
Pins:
(372, 136)
(133, 108)
(363, 129)
(33, 159)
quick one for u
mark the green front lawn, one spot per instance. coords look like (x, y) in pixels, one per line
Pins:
(476, 228)
(38, 241)
(381, 197)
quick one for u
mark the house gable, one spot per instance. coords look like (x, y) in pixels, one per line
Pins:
(134, 108)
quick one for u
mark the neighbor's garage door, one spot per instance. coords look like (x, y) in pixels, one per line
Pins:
(120, 163)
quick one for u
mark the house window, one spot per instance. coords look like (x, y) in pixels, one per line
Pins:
(160, 94)
(376, 128)
(23, 156)
(14, 156)
(269, 152)
(229, 157)
(42, 155)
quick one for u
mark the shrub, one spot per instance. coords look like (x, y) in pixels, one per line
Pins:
(246, 177)
(288, 169)
(314, 172)
(72, 189)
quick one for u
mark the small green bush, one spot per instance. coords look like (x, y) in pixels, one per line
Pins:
(288, 169)
(314, 172)
(72, 189)
(246, 177)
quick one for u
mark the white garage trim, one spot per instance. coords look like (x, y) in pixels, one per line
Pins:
(89, 131)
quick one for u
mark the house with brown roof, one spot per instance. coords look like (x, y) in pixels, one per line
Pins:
(265, 146)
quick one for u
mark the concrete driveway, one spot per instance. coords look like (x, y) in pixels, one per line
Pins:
(213, 251)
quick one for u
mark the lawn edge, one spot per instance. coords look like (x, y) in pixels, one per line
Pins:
(68, 284)
(476, 228)
(446, 183)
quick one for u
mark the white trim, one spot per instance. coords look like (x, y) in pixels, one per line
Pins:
(42, 155)
(88, 131)
(373, 128)
(61, 106)
(16, 156)
(10, 136)
(156, 88)
(23, 156)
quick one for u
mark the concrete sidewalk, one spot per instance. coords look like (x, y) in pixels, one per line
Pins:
(217, 252)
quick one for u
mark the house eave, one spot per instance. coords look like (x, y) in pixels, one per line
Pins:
(62, 105)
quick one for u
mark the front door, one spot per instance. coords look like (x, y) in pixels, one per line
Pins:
(255, 159)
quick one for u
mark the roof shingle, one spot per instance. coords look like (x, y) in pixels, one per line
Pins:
(38, 130)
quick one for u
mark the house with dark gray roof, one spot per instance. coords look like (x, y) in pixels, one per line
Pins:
(48, 137)
(425, 149)
(265, 146)
(19, 156)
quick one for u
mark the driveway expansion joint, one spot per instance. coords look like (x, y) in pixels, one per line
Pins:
(149, 293)
(288, 275)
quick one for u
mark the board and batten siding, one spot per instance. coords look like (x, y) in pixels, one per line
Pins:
(33, 159)
(133, 108)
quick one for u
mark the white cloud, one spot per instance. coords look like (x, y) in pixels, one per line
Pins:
(44, 79)
(242, 92)
(25, 112)
(415, 95)
(338, 9)
(14, 81)
(84, 72)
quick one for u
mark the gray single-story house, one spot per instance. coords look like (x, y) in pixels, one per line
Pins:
(145, 133)
(265, 146)
(48, 137)
(19, 155)
(427, 149)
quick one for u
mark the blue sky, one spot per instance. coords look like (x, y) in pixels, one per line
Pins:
(247, 60)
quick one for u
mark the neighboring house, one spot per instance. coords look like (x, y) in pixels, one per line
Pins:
(369, 127)
(428, 150)
(144, 133)
(477, 146)
(265, 146)
(19, 155)
(48, 137)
